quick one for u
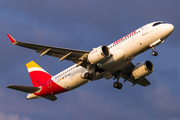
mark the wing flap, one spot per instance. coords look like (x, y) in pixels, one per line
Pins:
(27, 89)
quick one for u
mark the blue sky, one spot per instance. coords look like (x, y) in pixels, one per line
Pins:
(85, 24)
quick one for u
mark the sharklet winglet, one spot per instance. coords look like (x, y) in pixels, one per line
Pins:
(11, 39)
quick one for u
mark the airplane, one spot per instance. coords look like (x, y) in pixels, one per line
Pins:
(104, 61)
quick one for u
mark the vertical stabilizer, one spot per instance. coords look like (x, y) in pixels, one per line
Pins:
(38, 75)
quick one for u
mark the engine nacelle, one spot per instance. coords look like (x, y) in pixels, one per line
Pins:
(98, 54)
(143, 69)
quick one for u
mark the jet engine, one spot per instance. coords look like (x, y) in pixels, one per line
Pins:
(98, 54)
(143, 69)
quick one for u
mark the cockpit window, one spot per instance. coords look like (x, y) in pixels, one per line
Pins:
(157, 23)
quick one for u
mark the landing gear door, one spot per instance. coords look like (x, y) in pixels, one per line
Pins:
(144, 30)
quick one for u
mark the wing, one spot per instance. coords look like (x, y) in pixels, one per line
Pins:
(75, 56)
(126, 74)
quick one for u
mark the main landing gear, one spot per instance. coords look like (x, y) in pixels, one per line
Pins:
(117, 85)
(154, 53)
(88, 76)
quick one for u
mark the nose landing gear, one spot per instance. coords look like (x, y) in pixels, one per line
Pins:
(154, 53)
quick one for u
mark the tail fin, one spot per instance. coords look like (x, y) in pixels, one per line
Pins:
(38, 75)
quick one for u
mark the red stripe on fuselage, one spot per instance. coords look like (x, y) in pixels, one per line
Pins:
(50, 88)
(124, 37)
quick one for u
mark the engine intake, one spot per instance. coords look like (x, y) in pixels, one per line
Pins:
(98, 54)
(143, 69)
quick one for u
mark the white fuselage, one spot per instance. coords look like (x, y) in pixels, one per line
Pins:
(122, 52)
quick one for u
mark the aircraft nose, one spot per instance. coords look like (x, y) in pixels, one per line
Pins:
(170, 28)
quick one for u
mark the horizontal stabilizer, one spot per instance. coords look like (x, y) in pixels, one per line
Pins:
(50, 97)
(26, 89)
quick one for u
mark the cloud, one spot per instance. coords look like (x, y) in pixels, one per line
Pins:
(84, 25)
(163, 102)
(4, 116)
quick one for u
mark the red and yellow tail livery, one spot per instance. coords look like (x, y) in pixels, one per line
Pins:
(38, 75)
(43, 85)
